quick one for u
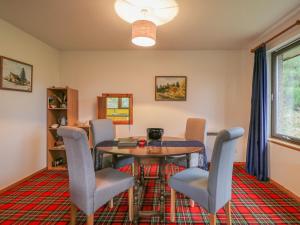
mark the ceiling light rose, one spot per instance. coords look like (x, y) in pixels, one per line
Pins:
(143, 33)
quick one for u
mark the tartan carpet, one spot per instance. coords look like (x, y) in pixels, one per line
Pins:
(43, 199)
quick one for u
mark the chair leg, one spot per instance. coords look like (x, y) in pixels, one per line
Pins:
(90, 219)
(228, 212)
(173, 201)
(212, 219)
(111, 203)
(130, 204)
(192, 203)
(132, 169)
(73, 212)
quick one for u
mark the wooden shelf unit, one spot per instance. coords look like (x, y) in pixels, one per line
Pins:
(70, 112)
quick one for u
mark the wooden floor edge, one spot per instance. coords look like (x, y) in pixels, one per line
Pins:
(22, 180)
(289, 193)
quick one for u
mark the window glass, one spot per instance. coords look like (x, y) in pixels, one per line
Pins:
(286, 93)
(112, 103)
(124, 102)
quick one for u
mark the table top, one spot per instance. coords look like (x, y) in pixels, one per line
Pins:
(151, 151)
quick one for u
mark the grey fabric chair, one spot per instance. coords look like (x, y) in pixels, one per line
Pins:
(195, 130)
(89, 190)
(104, 130)
(211, 190)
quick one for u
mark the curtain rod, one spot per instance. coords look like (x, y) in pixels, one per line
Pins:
(276, 35)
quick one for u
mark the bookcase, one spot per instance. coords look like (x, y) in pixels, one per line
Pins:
(62, 110)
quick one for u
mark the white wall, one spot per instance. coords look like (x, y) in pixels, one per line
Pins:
(210, 78)
(22, 114)
(283, 173)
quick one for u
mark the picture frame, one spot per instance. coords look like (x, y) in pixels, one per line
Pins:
(15, 75)
(170, 88)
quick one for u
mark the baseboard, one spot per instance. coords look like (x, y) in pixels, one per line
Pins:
(22, 180)
(283, 189)
(239, 163)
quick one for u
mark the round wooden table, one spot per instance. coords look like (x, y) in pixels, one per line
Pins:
(149, 155)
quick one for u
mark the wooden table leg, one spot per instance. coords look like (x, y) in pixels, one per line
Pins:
(142, 175)
(228, 212)
(73, 213)
(188, 160)
(173, 205)
(162, 164)
(114, 161)
(136, 190)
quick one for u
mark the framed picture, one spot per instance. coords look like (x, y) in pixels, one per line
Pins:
(170, 88)
(15, 75)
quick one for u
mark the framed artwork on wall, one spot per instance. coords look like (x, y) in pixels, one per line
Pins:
(170, 88)
(15, 75)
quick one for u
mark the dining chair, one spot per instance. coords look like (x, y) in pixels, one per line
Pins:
(211, 190)
(89, 190)
(195, 130)
(104, 130)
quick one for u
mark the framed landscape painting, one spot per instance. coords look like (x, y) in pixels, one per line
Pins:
(15, 75)
(170, 88)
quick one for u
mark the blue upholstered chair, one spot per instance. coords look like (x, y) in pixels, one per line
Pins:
(211, 190)
(104, 130)
(89, 190)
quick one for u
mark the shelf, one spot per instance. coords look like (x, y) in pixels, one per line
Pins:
(62, 167)
(58, 88)
(57, 149)
(50, 128)
(57, 108)
(55, 112)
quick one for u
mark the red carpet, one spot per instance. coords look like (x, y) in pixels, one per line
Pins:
(43, 199)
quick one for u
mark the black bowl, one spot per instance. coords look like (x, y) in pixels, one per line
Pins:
(155, 133)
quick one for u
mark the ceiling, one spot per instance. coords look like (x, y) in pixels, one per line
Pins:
(94, 25)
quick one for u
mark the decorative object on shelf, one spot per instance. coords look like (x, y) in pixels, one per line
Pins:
(15, 75)
(155, 133)
(170, 88)
(59, 141)
(145, 16)
(62, 120)
(58, 100)
(52, 103)
(58, 162)
(62, 100)
(55, 125)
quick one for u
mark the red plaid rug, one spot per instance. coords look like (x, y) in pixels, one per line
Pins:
(43, 199)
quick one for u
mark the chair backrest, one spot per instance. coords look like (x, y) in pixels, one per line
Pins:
(102, 130)
(82, 181)
(220, 174)
(195, 129)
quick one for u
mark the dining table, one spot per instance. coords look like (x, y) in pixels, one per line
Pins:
(154, 152)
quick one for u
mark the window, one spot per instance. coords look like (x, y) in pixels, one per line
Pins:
(286, 93)
(117, 107)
